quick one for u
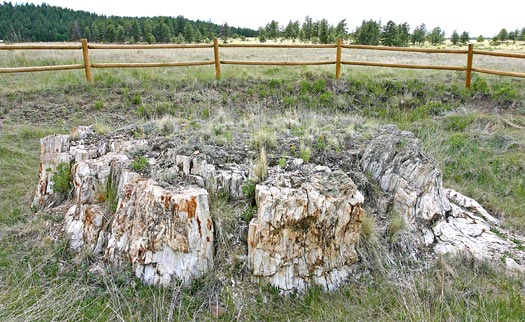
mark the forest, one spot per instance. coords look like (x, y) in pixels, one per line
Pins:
(45, 23)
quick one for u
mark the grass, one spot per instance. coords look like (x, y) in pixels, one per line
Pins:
(475, 136)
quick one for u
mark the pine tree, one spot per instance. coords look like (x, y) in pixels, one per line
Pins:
(272, 29)
(340, 30)
(323, 31)
(404, 34)
(455, 38)
(389, 34)
(306, 29)
(503, 35)
(437, 36)
(419, 35)
(465, 38)
(368, 33)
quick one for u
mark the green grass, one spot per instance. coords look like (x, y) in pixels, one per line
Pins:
(467, 132)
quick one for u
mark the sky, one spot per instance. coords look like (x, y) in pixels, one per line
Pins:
(485, 18)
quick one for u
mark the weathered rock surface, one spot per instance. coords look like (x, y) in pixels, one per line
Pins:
(124, 218)
(54, 149)
(165, 234)
(440, 219)
(395, 160)
(470, 228)
(227, 179)
(308, 220)
(306, 229)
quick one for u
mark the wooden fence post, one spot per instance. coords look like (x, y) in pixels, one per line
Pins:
(85, 54)
(217, 59)
(338, 59)
(470, 57)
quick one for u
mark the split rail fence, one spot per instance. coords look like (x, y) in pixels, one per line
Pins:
(217, 62)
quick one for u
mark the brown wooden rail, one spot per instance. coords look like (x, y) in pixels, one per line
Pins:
(87, 66)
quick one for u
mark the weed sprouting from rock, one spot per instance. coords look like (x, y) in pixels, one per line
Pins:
(139, 163)
(62, 179)
(260, 168)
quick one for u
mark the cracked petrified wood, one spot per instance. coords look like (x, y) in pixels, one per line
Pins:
(306, 229)
(308, 220)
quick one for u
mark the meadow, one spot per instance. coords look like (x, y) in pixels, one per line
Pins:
(476, 136)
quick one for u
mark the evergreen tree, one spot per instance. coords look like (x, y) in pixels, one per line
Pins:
(323, 31)
(368, 33)
(225, 31)
(404, 34)
(503, 35)
(437, 36)
(419, 35)
(163, 32)
(272, 29)
(340, 30)
(262, 35)
(292, 30)
(120, 34)
(512, 36)
(465, 38)
(455, 38)
(136, 30)
(389, 34)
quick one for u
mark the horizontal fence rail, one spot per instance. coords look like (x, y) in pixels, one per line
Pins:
(217, 62)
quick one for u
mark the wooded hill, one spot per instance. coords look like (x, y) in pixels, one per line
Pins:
(34, 23)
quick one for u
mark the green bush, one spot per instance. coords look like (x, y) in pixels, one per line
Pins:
(62, 179)
(139, 163)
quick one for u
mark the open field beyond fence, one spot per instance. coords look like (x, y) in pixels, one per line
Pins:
(339, 58)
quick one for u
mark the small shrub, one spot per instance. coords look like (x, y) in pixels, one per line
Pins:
(139, 163)
(327, 99)
(248, 189)
(368, 228)
(305, 152)
(102, 128)
(458, 123)
(396, 225)
(282, 162)
(260, 168)
(99, 104)
(136, 100)
(205, 113)
(249, 213)
(264, 138)
(480, 85)
(321, 143)
(111, 195)
(293, 149)
(62, 179)
(319, 85)
(166, 126)
(305, 87)
(144, 111)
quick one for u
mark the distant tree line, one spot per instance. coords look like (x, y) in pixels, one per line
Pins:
(371, 33)
(29, 22)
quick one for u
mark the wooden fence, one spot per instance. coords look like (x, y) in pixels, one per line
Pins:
(217, 62)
